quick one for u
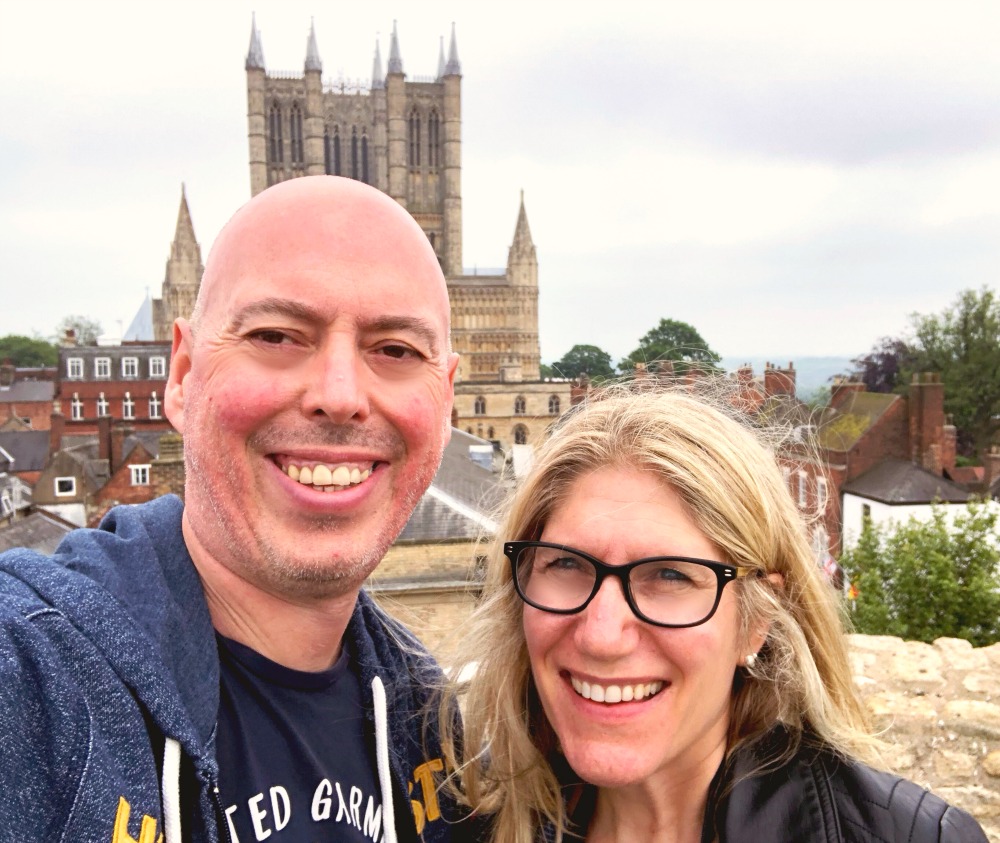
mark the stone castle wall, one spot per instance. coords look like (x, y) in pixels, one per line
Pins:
(939, 707)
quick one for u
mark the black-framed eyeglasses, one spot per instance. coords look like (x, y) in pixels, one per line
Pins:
(669, 591)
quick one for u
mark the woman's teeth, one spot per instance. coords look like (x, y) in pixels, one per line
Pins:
(612, 694)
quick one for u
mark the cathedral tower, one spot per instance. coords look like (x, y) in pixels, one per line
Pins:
(182, 278)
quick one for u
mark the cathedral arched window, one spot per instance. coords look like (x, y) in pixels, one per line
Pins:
(337, 168)
(354, 152)
(519, 405)
(295, 134)
(414, 138)
(554, 405)
(520, 435)
(327, 152)
(275, 148)
(364, 157)
(480, 405)
(489, 433)
(434, 140)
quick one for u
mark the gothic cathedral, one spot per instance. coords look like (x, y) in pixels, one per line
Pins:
(403, 136)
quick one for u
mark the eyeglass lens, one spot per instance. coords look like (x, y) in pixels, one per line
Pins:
(667, 591)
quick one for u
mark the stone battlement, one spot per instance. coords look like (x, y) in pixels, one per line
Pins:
(939, 705)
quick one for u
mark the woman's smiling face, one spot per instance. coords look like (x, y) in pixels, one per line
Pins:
(671, 722)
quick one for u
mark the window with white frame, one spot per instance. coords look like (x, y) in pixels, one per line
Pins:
(821, 494)
(128, 406)
(76, 407)
(102, 405)
(130, 367)
(102, 368)
(803, 489)
(74, 368)
(65, 487)
(6, 505)
(155, 407)
(140, 475)
(157, 367)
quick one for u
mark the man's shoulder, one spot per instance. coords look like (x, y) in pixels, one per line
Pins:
(873, 802)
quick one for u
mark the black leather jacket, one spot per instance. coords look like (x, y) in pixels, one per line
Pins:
(817, 797)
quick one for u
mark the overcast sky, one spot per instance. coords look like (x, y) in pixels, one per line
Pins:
(793, 178)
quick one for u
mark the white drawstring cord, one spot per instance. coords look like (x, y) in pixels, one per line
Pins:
(171, 791)
(382, 760)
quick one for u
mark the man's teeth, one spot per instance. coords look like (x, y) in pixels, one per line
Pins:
(324, 477)
(616, 693)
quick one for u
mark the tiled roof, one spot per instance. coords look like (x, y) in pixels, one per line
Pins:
(41, 531)
(898, 482)
(461, 500)
(25, 391)
(29, 448)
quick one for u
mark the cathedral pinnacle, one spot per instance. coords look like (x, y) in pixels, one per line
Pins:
(441, 64)
(184, 238)
(312, 51)
(454, 66)
(255, 55)
(378, 79)
(522, 234)
(395, 60)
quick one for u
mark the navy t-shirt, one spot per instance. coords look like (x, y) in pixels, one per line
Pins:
(296, 755)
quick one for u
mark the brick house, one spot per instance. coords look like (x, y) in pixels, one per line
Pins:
(125, 382)
(25, 396)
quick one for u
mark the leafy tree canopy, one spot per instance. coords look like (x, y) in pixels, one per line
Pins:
(87, 330)
(585, 360)
(881, 369)
(28, 351)
(923, 580)
(962, 344)
(677, 342)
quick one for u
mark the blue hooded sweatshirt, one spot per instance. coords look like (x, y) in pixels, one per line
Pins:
(109, 694)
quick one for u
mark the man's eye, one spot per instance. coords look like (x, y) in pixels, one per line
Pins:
(400, 352)
(270, 337)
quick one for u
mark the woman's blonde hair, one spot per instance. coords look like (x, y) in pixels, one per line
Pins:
(724, 469)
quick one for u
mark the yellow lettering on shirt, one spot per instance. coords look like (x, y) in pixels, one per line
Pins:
(147, 831)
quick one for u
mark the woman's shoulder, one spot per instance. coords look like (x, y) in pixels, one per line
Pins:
(875, 805)
(818, 795)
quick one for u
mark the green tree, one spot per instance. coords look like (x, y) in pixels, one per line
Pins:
(677, 342)
(87, 330)
(962, 344)
(927, 579)
(585, 360)
(28, 351)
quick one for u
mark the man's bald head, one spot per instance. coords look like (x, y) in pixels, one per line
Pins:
(320, 215)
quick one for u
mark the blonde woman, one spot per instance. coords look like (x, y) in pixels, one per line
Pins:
(656, 656)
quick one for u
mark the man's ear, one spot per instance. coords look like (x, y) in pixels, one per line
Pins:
(180, 366)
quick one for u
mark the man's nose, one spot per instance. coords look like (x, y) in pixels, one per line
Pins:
(337, 386)
(607, 628)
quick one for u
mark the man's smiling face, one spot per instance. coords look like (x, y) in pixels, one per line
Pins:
(314, 387)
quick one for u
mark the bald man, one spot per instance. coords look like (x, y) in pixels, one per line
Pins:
(212, 670)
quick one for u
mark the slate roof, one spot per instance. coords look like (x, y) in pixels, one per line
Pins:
(21, 392)
(29, 448)
(41, 531)
(898, 482)
(461, 499)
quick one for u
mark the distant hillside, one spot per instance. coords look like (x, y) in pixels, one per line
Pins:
(811, 373)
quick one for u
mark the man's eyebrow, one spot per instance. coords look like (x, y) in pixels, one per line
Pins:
(274, 307)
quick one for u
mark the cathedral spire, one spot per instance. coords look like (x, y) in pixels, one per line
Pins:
(454, 66)
(312, 51)
(441, 64)
(255, 55)
(185, 244)
(378, 78)
(522, 234)
(395, 60)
